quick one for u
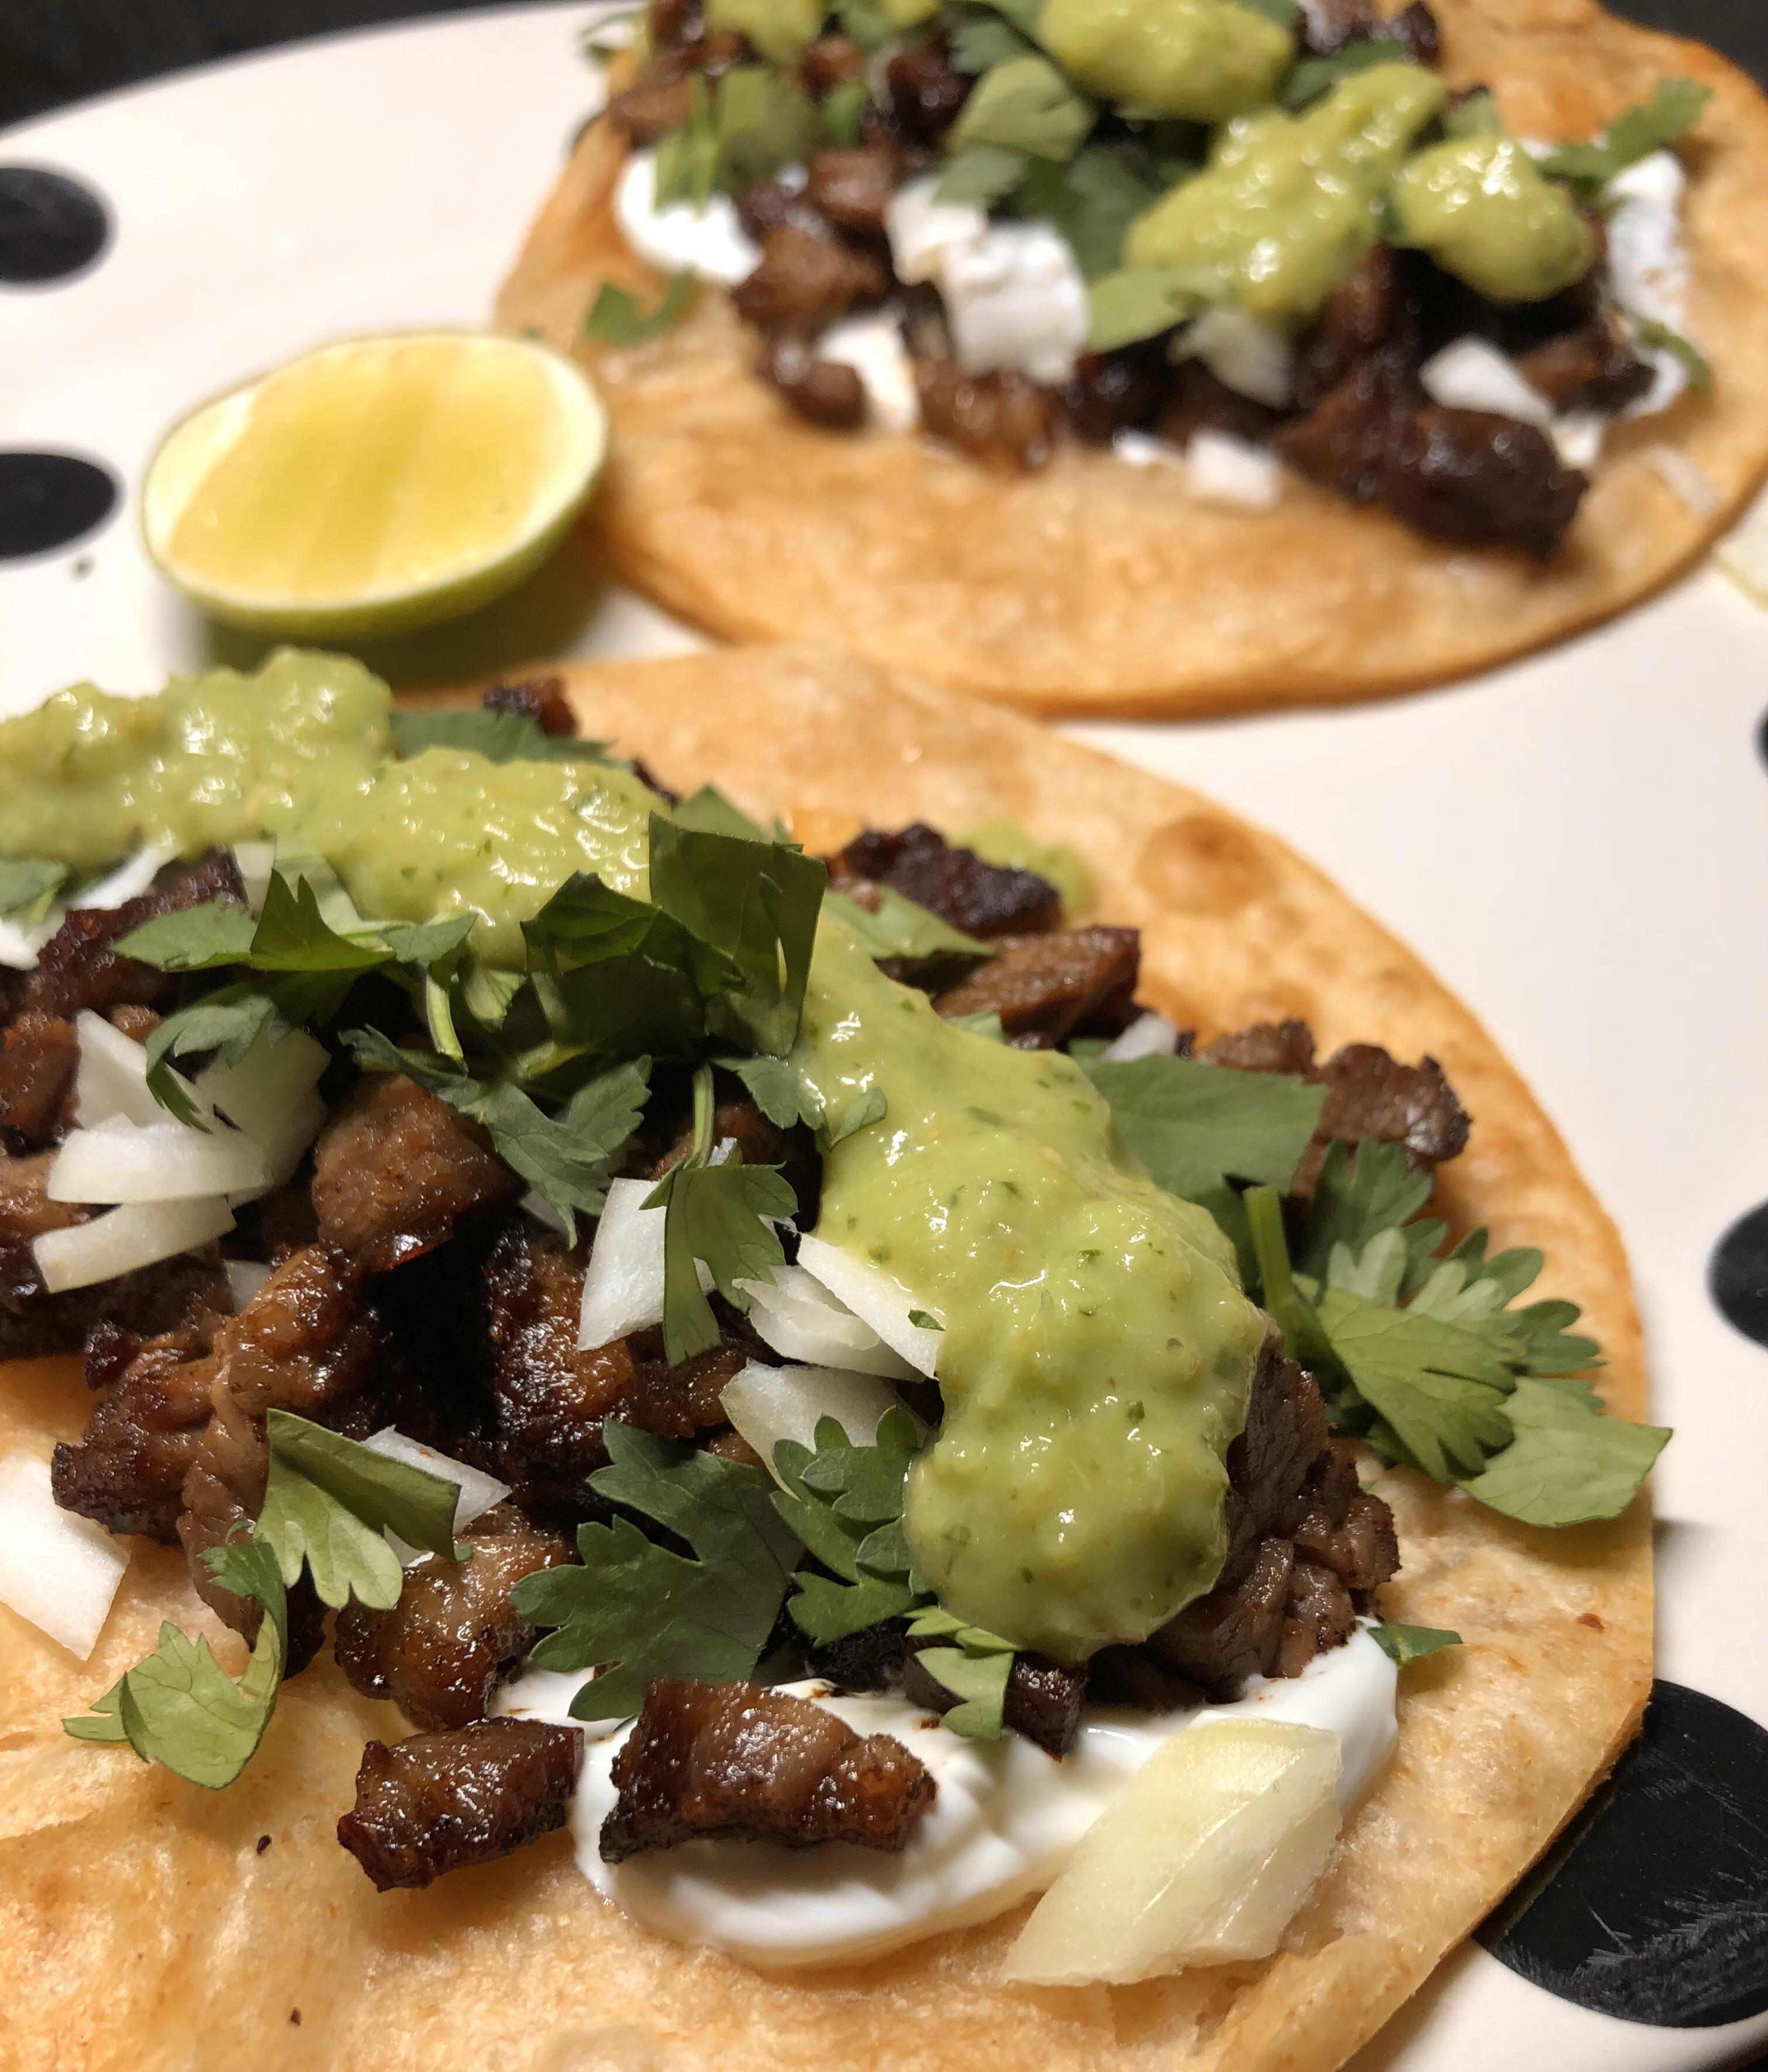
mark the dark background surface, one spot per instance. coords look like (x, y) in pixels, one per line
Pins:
(57, 51)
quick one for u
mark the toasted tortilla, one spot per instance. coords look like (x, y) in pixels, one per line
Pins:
(1095, 587)
(146, 1924)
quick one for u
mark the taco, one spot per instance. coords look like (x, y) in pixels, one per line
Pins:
(1005, 366)
(1043, 1478)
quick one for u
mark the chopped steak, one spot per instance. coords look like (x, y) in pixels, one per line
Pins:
(1043, 1699)
(851, 188)
(981, 898)
(1591, 368)
(823, 391)
(141, 1440)
(1416, 28)
(1368, 1094)
(395, 1168)
(1302, 1537)
(807, 278)
(1198, 400)
(1375, 305)
(924, 91)
(440, 1652)
(34, 1323)
(541, 699)
(871, 1660)
(441, 1801)
(304, 1343)
(1346, 440)
(79, 967)
(651, 109)
(39, 1053)
(768, 206)
(1122, 390)
(1477, 479)
(827, 62)
(552, 1399)
(736, 1760)
(1044, 987)
(1000, 419)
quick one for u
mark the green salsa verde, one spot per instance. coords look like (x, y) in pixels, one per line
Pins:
(1288, 205)
(1098, 1351)
(1097, 1354)
(1203, 60)
(1486, 213)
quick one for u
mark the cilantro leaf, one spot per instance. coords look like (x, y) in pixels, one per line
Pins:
(28, 885)
(1357, 1195)
(865, 22)
(756, 903)
(845, 1503)
(1570, 1462)
(615, 318)
(978, 42)
(710, 811)
(844, 110)
(1674, 107)
(328, 1503)
(986, 1025)
(974, 1671)
(1313, 76)
(901, 928)
(1090, 201)
(1659, 337)
(981, 176)
(778, 1088)
(1025, 105)
(203, 938)
(1440, 1389)
(229, 1020)
(869, 1107)
(1194, 1124)
(1402, 1644)
(637, 1611)
(1131, 303)
(720, 1216)
(179, 1707)
(499, 737)
(1284, 13)
(1477, 115)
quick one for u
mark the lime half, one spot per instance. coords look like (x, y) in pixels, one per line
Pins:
(375, 485)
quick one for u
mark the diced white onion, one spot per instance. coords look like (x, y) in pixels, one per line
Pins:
(623, 1284)
(111, 1085)
(142, 1233)
(872, 345)
(21, 948)
(254, 862)
(244, 1278)
(769, 1403)
(479, 1491)
(798, 1316)
(160, 1161)
(1694, 487)
(922, 230)
(710, 241)
(1472, 374)
(1221, 469)
(1015, 299)
(1143, 449)
(130, 880)
(1743, 554)
(269, 1085)
(57, 1569)
(1148, 1036)
(1578, 436)
(1251, 358)
(877, 1297)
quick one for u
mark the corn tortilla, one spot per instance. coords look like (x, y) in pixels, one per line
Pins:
(145, 1926)
(1093, 587)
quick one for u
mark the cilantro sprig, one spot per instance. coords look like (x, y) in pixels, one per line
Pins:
(329, 1503)
(635, 1610)
(1675, 105)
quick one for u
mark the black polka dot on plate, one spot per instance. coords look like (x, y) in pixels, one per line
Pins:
(1761, 736)
(1654, 1907)
(1738, 1274)
(49, 500)
(51, 227)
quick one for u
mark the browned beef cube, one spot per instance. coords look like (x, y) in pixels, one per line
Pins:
(807, 278)
(1477, 480)
(1236, 1631)
(1591, 368)
(80, 967)
(735, 1760)
(925, 91)
(827, 392)
(1319, 1616)
(395, 1168)
(440, 1652)
(1268, 1463)
(141, 1439)
(851, 188)
(1044, 987)
(651, 109)
(1002, 420)
(827, 62)
(441, 1801)
(39, 1053)
(984, 899)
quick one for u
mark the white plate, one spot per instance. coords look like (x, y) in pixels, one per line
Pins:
(1576, 844)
